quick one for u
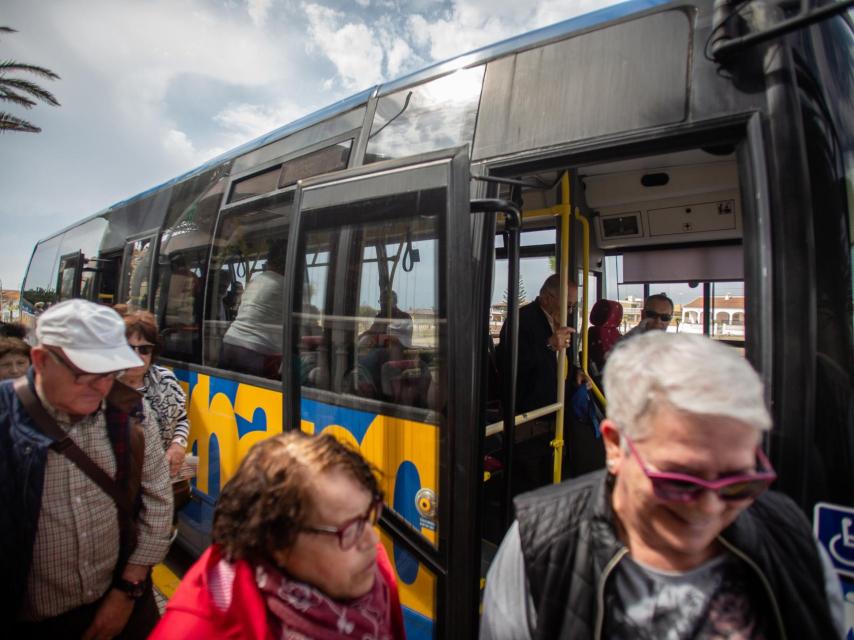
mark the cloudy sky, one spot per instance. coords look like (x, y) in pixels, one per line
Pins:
(152, 88)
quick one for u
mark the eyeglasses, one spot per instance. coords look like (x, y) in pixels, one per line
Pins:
(143, 349)
(681, 487)
(85, 378)
(664, 317)
(351, 532)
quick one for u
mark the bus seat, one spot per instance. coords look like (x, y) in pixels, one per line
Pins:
(605, 318)
(403, 382)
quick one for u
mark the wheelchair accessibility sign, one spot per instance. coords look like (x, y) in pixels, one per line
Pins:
(834, 527)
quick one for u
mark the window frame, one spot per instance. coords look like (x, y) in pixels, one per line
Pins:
(154, 236)
(459, 444)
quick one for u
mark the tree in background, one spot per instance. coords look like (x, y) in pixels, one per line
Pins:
(21, 92)
(523, 295)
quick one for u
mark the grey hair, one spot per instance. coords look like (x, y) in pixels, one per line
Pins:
(552, 284)
(688, 373)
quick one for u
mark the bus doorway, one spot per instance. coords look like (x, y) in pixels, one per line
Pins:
(668, 225)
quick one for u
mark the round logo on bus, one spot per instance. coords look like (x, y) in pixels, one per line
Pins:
(425, 502)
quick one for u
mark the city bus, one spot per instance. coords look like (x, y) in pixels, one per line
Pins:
(348, 272)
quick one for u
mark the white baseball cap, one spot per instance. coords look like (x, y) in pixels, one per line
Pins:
(402, 330)
(90, 335)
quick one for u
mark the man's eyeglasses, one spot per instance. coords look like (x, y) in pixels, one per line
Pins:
(143, 349)
(84, 378)
(351, 532)
(664, 317)
(681, 487)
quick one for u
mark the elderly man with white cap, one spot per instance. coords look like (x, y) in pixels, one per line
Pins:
(85, 499)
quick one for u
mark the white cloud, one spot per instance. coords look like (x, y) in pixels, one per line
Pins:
(350, 46)
(252, 120)
(476, 23)
(258, 10)
(396, 55)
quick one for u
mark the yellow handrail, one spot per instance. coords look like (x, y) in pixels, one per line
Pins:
(585, 226)
(565, 219)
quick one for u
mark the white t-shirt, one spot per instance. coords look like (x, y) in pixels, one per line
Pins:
(259, 321)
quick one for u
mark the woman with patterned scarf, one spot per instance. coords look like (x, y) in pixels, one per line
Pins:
(295, 554)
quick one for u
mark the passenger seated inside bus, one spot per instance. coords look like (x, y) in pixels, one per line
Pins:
(253, 342)
(604, 333)
(388, 312)
(392, 370)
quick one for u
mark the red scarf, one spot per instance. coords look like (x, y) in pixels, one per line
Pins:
(298, 611)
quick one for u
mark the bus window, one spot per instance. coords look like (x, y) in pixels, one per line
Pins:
(727, 301)
(434, 115)
(40, 285)
(245, 309)
(69, 273)
(182, 267)
(137, 262)
(386, 346)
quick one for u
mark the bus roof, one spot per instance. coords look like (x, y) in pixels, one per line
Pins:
(478, 56)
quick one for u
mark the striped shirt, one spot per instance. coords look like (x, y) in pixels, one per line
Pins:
(77, 539)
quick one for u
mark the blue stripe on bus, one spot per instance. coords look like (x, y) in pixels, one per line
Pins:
(418, 626)
(325, 415)
(406, 484)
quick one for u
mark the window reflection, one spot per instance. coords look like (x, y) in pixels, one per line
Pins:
(435, 115)
(371, 329)
(137, 270)
(245, 293)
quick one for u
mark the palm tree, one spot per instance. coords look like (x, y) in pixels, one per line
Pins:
(23, 93)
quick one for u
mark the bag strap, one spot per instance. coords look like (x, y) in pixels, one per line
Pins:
(63, 444)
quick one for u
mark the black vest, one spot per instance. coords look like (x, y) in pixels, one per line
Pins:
(568, 539)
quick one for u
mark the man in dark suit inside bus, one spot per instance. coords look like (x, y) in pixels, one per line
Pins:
(540, 337)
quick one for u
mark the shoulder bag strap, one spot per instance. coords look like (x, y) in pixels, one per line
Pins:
(62, 443)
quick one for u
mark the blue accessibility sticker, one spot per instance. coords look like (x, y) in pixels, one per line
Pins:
(834, 527)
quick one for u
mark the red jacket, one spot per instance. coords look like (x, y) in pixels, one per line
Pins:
(192, 615)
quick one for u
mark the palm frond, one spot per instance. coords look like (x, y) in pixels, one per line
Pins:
(8, 122)
(10, 96)
(16, 85)
(12, 66)
(8, 30)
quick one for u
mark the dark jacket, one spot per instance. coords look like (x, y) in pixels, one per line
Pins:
(23, 458)
(23, 461)
(536, 372)
(570, 548)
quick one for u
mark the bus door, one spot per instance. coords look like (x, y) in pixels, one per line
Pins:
(381, 356)
(68, 277)
(136, 272)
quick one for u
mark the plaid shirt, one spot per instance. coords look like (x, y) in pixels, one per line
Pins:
(77, 541)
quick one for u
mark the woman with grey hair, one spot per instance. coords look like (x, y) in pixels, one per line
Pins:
(679, 537)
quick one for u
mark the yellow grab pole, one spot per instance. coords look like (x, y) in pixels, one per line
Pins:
(585, 227)
(565, 221)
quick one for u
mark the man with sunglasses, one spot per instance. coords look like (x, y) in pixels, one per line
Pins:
(656, 314)
(678, 537)
(66, 571)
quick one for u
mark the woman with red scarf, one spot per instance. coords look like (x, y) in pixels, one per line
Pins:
(295, 554)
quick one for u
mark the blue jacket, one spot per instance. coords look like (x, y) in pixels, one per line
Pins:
(23, 458)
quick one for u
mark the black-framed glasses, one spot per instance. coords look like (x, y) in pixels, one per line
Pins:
(664, 317)
(351, 532)
(143, 349)
(85, 378)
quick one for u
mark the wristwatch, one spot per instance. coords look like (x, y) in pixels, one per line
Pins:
(180, 440)
(133, 590)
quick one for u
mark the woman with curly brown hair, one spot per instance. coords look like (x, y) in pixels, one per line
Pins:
(295, 553)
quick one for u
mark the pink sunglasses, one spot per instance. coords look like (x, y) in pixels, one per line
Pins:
(680, 487)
